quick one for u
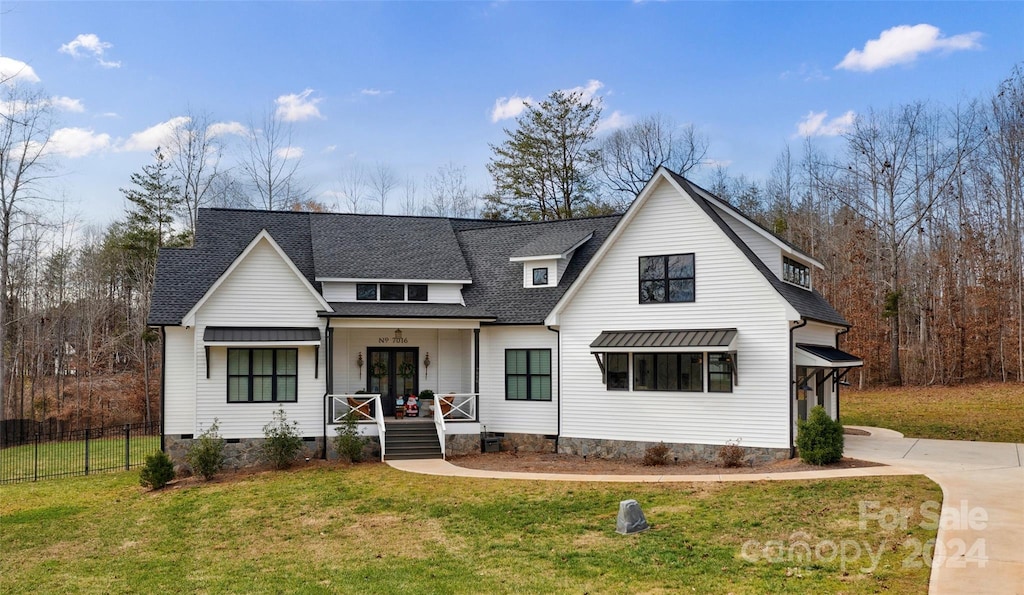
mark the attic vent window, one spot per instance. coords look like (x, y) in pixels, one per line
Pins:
(540, 276)
(796, 273)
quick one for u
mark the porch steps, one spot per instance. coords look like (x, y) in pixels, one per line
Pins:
(411, 440)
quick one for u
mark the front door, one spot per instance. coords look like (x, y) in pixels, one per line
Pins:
(393, 373)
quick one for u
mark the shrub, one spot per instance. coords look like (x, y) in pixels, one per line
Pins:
(819, 438)
(348, 442)
(283, 441)
(158, 470)
(656, 455)
(731, 455)
(206, 455)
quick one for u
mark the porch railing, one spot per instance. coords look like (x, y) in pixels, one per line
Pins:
(453, 407)
(439, 425)
(366, 407)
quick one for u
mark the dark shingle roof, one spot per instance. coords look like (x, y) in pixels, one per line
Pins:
(553, 242)
(385, 247)
(809, 304)
(404, 310)
(498, 284)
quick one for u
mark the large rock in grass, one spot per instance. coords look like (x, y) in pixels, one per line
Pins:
(631, 518)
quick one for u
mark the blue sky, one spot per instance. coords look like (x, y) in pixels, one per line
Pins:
(418, 85)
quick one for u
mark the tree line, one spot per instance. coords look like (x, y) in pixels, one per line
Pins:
(915, 213)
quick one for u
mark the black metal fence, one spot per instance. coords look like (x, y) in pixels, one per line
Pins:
(78, 452)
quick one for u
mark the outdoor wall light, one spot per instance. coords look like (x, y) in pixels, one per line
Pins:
(398, 335)
(426, 365)
(360, 362)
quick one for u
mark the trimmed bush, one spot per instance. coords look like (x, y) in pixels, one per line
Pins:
(656, 455)
(206, 455)
(158, 471)
(283, 442)
(731, 455)
(348, 442)
(820, 438)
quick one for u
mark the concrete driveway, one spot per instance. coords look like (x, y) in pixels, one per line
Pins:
(980, 543)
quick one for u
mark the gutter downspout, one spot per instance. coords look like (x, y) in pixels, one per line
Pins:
(792, 386)
(328, 377)
(558, 415)
(163, 383)
(838, 335)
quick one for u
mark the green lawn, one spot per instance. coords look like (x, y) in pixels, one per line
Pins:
(55, 459)
(988, 412)
(372, 529)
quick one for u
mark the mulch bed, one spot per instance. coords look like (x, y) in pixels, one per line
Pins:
(533, 462)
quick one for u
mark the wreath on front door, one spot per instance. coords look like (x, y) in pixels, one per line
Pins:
(406, 369)
(379, 369)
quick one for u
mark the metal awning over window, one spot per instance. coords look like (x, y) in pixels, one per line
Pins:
(251, 335)
(667, 340)
(822, 356)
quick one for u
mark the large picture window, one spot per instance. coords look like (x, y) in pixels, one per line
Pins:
(668, 371)
(667, 278)
(528, 374)
(263, 375)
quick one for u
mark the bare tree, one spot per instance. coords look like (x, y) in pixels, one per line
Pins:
(26, 127)
(449, 194)
(382, 180)
(195, 159)
(631, 155)
(409, 205)
(271, 164)
(352, 188)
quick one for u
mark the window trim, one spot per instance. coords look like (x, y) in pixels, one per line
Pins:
(529, 375)
(793, 276)
(376, 292)
(667, 280)
(408, 292)
(608, 369)
(399, 286)
(274, 375)
(728, 373)
(535, 271)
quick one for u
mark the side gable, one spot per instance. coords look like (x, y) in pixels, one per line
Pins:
(262, 237)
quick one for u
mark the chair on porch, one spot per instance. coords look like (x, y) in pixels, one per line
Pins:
(362, 409)
(446, 403)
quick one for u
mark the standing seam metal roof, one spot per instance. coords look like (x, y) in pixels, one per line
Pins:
(668, 338)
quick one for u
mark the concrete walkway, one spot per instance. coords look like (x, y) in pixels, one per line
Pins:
(980, 543)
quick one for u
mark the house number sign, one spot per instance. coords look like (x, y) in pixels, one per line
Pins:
(393, 340)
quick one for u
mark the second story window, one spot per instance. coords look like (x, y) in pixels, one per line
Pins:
(667, 279)
(796, 273)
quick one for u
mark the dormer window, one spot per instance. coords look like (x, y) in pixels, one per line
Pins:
(391, 292)
(540, 276)
(796, 273)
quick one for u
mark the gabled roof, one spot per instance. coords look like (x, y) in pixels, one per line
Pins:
(385, 247)
(551, 244)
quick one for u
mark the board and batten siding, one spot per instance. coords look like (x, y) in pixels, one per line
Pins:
(261, 291)
(179, 380)
(520, 417)
(437, 293)
(730, 293)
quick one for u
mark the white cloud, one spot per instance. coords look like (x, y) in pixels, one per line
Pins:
(154, 136)
(613, 121)
(297, 107)
(807, 73)
(226, 128)
(89, 44)
(587, 91)
(67, 104)
(13, 71)
(289, 153)
(330, 149)
(903, 44)
(77, 142)
(374, 92)
(108, 115)
(817, 124)
(509, 107)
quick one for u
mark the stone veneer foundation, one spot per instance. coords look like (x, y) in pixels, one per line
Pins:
(461, 444)
(246, 452)
(629, 449)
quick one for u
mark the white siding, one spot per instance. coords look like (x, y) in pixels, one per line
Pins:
(730, 293)
(437, 293)
(179, 381)
(769, 252)
(816, 333)
(525, 417)
(550, 265)
(261, 291)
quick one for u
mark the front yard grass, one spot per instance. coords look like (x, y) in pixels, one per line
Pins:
(372, 529)
(987, 412)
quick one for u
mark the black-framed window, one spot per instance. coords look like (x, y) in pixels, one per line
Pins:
(366, 291)
(417, 293)
(796, 273)
(682, 372)
(719, 374)
(616, 367)
(540, 276)
(668, 278)
(528, 374)
(263, 375)
(392, 292)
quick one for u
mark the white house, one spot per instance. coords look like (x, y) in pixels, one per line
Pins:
(681, 321)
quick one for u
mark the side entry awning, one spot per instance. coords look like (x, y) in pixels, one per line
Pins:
(822, 356)
(666, 340)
